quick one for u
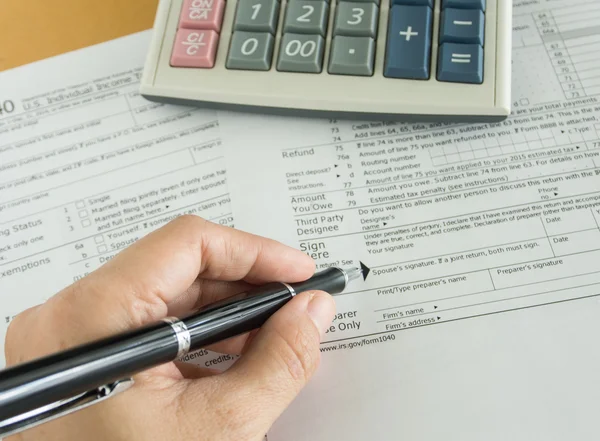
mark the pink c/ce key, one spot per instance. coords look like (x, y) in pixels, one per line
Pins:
(202, 14)
(194, 48)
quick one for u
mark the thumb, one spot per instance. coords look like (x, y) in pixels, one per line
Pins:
(278, 361)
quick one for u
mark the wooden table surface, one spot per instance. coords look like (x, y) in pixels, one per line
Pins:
(31, 30)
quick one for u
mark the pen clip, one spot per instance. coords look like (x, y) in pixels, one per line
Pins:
(61, 408)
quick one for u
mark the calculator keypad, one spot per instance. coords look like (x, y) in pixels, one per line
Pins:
(301, 36)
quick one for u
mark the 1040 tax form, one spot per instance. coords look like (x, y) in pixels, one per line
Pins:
(87, 167)
(479, 316)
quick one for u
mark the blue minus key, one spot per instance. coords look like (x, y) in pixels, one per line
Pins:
(464, 4)
(408, 48)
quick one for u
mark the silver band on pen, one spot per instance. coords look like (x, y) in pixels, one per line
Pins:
(345, 275)
(184, 339)
(292, 290)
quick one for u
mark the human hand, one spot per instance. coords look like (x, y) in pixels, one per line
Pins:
(185, 264)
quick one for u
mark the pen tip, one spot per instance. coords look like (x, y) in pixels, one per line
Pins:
(354, 273)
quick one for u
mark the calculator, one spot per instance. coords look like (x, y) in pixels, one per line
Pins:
(351, 59)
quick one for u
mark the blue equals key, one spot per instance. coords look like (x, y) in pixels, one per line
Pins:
(408, 52)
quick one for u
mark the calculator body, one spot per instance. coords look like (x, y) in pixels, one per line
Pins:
(370, 96)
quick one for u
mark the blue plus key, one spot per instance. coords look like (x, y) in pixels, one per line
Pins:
(460, 63)
(412, 2)
(408, 42)
(462, 26)
(464, 4)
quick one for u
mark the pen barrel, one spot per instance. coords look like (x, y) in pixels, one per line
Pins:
(331, 280)
(249, 310)
(61, 376)
(235, 315)
(46, 380)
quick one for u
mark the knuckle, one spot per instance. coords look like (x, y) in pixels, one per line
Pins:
(139, 307)
(189, 221)
(216, 254)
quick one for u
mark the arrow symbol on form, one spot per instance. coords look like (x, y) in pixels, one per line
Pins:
(365, 270)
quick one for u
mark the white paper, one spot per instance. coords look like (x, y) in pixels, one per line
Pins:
(87, 166)
(483, 243)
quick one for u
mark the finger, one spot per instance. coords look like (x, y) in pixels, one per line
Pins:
(138, 285)
(203, 292)
(277, 364)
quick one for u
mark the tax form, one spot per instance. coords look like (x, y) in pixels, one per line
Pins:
(87, 167)
(479, 314)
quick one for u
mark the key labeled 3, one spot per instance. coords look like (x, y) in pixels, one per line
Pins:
(356, 19)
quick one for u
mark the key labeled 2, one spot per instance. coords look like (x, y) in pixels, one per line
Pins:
(306, 17)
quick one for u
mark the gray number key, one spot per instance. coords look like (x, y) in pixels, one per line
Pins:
(256, 16)
(306, 17)
(301, 53)
(352, 56)
(250, 51)
(356, 19)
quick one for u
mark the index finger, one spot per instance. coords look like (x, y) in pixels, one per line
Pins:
(191, 246)
(162, 265)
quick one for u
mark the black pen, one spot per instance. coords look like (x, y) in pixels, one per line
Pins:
(56, 385)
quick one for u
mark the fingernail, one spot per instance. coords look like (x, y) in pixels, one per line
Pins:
(321, 311)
